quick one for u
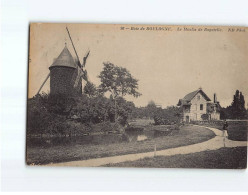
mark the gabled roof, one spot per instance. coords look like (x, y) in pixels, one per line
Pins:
(64, 59)
(186, 100)
(191, 95)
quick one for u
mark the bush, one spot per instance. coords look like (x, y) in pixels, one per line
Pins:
(63, 115)
(168, 116)
(205, 117)
(39, 119)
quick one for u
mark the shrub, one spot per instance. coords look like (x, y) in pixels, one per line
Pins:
(205, 117)
(54, 114)
(168, 116)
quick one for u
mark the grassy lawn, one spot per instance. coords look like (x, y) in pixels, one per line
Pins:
(237, 130)
(186, 136)
(224, 158)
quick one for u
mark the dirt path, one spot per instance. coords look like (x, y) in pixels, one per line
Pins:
(212, 144)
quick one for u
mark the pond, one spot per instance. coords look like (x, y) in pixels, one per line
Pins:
(131, 134)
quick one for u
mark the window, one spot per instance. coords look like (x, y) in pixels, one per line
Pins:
(198, 97)
(201, 106)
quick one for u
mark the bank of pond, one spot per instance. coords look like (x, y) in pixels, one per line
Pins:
(237, 131)
(130, 134)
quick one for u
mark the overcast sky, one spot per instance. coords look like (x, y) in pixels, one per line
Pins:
(168, 65)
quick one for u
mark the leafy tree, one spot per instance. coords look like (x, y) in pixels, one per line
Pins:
(151, 108)
(242, 100)
(90, 89)
(118, 81)
(57, 104)
(124, 110)
(151, 104)
(237, 109)
(41, 119)
(167, 116)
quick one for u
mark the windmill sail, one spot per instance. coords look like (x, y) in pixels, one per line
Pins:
(43, 83)
(81, 73)
(79, 64)
(78, 77)
(85, 58)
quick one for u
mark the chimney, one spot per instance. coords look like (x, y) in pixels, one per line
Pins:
(215, 98)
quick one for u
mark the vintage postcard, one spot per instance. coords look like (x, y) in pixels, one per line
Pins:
(157, 96)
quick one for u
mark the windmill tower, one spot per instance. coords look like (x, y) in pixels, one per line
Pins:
(63, 73)
(66, 74)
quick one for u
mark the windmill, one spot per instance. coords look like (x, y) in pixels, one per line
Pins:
(66, 74)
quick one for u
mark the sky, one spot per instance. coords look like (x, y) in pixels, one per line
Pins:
(168, 64)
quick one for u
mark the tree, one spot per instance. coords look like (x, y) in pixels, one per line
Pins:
(44, 119)
(242, 100)
(118, 81)
(90, 89)
(151, 108)
(167, 116)
(237, 109)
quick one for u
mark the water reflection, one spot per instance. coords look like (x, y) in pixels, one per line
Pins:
(141, 137)
(134, 138)
(137, 134)
(130, 135)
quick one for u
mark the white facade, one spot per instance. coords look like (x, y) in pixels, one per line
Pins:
(215, 115)
(197, 109)
(195, 105)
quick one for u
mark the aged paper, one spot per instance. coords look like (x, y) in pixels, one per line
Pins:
(137, 96)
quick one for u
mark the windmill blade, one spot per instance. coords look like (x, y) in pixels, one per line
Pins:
(84, 72)
(85, 76)
(73, 47)
(80, 74)
(43, 84)
(85, 58)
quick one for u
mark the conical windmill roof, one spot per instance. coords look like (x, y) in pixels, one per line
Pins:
(64, 59)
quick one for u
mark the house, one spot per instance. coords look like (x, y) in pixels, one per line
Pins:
(198, 106)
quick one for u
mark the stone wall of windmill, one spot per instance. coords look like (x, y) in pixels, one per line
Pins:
(63, 74)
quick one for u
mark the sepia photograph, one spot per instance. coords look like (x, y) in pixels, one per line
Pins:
(144, 96)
